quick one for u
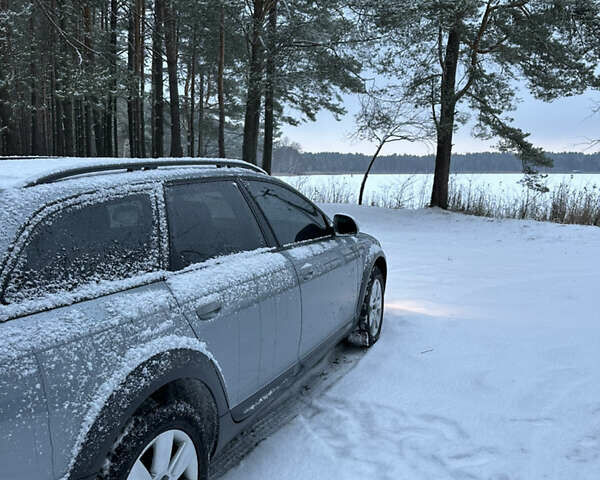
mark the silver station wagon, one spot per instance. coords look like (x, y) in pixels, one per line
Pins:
(151, 310)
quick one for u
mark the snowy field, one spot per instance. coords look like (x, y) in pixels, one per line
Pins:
(488, 365)
(414, 190)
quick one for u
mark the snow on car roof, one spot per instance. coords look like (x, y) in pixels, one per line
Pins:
(17, 172)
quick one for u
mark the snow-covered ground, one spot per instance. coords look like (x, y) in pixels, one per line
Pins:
(488, 366)
(414, 190)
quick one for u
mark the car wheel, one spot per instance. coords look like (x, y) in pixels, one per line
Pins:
(160, 443)
(371, 314)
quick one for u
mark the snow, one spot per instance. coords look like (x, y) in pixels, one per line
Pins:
(414, 190)
(312, 249)
(132, 360)
(18, 205)
(487, 367)
(16, 172)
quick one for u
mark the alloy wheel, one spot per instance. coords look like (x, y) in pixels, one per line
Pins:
(169, 456)
(375, 307)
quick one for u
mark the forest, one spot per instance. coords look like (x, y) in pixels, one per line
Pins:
(158, 78)
(219, 78)
(289, 160)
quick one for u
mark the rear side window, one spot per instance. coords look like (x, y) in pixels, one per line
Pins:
(86, 244)
(208, 220)
(292, 218)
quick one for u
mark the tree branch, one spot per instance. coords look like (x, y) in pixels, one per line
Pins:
(474, 49)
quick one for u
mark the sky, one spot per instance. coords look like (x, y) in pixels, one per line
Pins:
(566, 124)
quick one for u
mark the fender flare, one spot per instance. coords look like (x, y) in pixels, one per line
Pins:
(99, 432)
(375, 260)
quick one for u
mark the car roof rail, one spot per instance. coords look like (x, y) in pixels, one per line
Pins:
(139, 165)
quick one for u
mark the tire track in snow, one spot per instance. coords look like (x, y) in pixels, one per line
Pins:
(297, 401)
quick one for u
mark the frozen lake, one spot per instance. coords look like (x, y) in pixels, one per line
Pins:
(414, 190)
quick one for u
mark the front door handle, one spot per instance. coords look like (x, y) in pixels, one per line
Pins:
(335, 263)
(349, 253)
(209, 310)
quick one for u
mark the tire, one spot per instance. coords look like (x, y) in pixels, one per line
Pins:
(144, 444)
(371, 315)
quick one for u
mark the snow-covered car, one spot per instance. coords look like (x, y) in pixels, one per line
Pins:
(150, 310)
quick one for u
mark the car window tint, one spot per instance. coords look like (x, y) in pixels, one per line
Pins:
(84, 244)
(208, 220)
(293, 219)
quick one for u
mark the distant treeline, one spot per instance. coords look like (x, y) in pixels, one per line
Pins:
(288, 160)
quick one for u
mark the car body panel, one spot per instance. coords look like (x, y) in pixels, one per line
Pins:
(280, 313)
(231, 284)
(25, 448)
(328, 289)
(79, 365)
(101, 333)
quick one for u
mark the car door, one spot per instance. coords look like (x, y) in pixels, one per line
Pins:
(326, 264)
(220, 254)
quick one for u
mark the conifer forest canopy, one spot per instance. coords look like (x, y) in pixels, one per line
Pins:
(156, 78)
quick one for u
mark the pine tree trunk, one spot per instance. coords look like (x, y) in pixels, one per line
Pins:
(115, 129)
(171, 48)
(36, 147)
(55, 105)
(142, 79)
(87, 134)
(8, 119)
(92, 117)
(192, 102)
(220, 85)
(80, 127)
(439, 194)
(4, 114)
(24, 131)
(158, 141)
(36, 140)
(112, 117)
(132, 91)
(254, 96)
(106, 120)
(98, 122)
(201, 116)
(68, 124)
(270, 93)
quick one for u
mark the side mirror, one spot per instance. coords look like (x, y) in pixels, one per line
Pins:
(344, 225)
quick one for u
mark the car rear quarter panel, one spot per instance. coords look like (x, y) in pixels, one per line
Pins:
(25, 451)
(80, 348)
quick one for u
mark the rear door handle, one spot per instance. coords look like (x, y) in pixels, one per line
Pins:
(307, 272)
(209, 310)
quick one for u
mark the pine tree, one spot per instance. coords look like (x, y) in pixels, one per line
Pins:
(468, 55)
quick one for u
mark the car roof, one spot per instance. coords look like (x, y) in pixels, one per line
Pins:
(26, 185)
(16, 172)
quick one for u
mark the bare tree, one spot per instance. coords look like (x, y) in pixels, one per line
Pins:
(383, 121)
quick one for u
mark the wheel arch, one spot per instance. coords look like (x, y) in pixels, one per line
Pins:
(375, 261)
(185, 373)
(381, 263)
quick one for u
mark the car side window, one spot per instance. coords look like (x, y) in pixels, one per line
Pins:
(208, 220)
(292, 218)
(86, 244)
